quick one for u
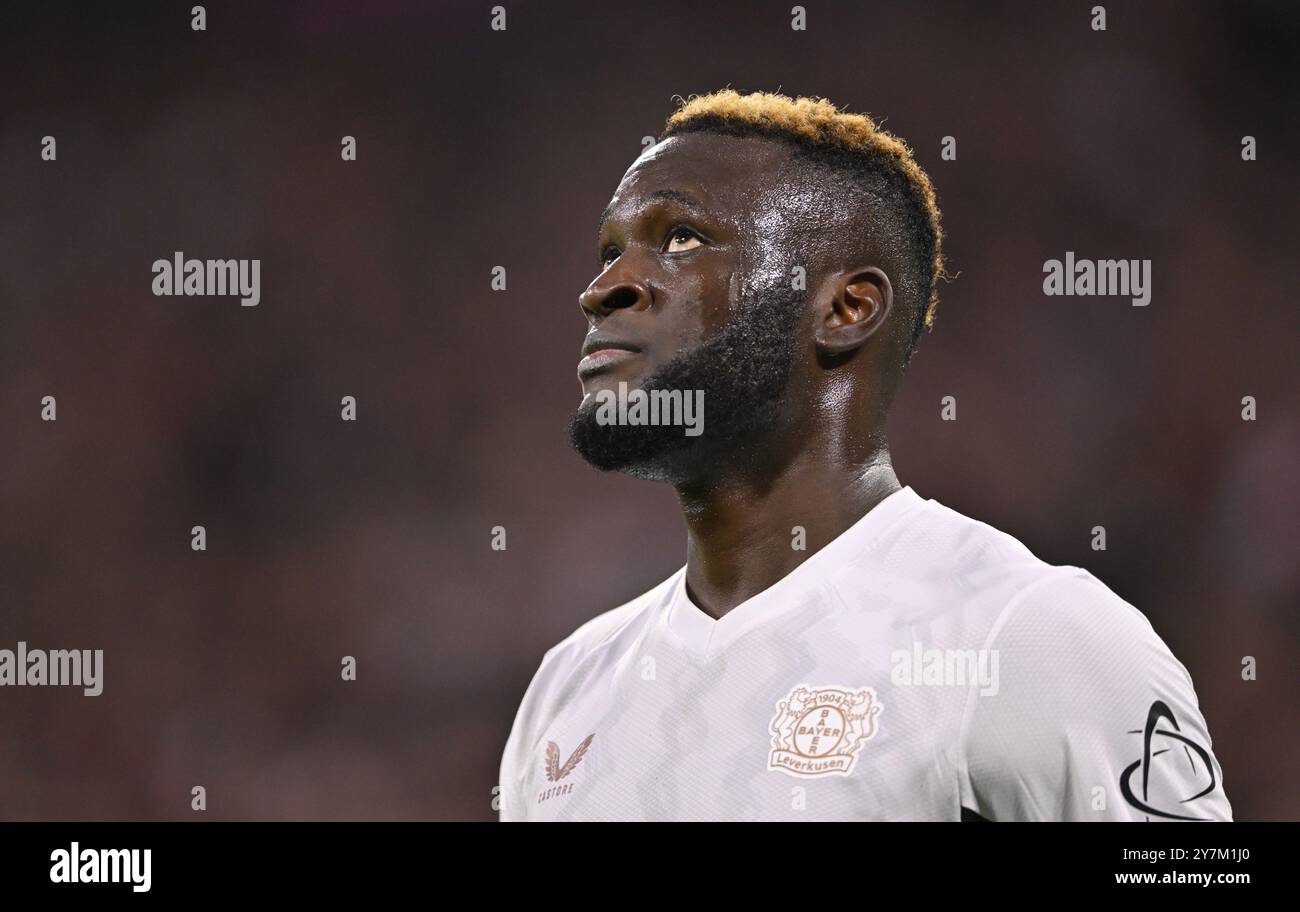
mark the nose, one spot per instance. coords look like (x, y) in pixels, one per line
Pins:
(610, 293)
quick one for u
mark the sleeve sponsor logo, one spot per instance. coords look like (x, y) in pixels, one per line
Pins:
(1158, 741)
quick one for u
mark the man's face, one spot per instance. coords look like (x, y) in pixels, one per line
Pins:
(694, 293)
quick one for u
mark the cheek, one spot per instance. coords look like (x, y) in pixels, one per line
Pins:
(717, 301)
(701, 301)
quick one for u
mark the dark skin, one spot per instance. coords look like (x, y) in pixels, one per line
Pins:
(692, 217)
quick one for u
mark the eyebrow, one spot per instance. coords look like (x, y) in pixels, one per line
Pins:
(676, 196)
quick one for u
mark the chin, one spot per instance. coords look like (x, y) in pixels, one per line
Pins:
(653, 470)
(649, 454)
(608, 383)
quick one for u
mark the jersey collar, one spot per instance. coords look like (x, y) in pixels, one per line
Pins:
(704, 636)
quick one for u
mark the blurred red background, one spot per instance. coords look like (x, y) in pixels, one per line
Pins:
(479, 148)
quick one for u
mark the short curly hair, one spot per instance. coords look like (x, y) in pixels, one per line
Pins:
(879, 161)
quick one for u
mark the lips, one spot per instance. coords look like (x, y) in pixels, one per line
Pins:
(596, 343)
(603, 358)
(599, 354)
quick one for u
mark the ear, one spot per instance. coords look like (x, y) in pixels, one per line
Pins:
(857, 305)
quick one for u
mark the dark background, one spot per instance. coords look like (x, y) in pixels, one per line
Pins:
(479, 148)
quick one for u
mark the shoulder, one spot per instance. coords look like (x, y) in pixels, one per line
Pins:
(1074, 610)
(972, 586)
(1072, 641)
(961, 577)
(595, 634)
(948, 546)
(1060, 611)
(595, 641)
(566, 664)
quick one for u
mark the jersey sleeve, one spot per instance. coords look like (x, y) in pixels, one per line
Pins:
(511, 807)
(527, 728)
(509, 794)
(1092, 717)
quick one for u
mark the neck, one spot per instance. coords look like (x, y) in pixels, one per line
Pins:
(741, 536)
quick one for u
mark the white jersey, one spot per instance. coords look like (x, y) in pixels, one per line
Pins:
(921, 666)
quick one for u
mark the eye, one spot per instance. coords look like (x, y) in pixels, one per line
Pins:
(609, 255)
(682, 238)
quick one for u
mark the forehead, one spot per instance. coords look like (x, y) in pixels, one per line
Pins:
(726, 173)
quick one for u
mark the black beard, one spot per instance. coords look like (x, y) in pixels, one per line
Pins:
(743, 369)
